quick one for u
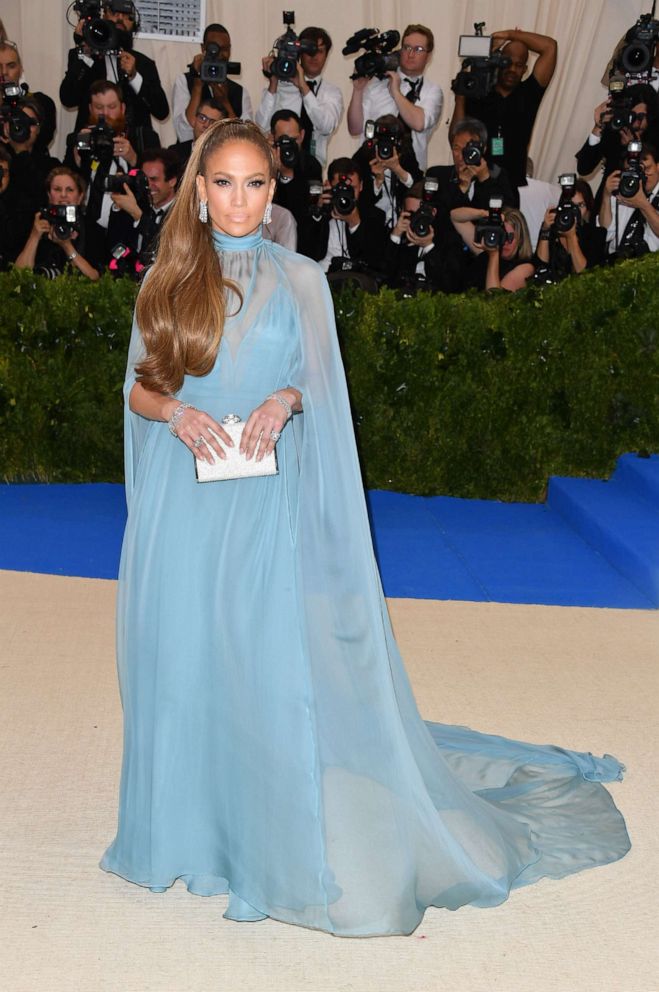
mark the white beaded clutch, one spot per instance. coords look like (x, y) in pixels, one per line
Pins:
(235, 465)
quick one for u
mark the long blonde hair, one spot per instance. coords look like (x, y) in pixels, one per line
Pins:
(517, 221)
(181, 307)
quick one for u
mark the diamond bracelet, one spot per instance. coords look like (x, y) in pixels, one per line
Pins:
(282, 402)
(175, 418)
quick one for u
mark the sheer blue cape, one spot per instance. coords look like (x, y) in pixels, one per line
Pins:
(273, 749)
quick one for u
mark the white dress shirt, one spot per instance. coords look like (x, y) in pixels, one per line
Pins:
(624, 215)
(324, 109)
(180, 101)
(377, 100)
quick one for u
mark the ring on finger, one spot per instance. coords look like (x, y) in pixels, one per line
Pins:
(275, 435)
(198, 441)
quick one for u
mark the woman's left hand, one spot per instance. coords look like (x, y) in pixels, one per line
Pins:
(267, 418)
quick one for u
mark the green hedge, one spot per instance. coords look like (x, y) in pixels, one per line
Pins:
(482, 395)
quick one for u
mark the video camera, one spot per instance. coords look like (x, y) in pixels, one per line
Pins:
(102, 35)
(379, 58)
(382, 139)
(19, 122)
(490, 231)
(480, 65)
(632, 176)
(213, 69)
(567, 213)
(289, 151)
(97, 141)
(637, 56)
(64, 219)
(288, 48)
(422, 220)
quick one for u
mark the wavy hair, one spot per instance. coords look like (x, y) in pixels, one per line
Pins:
(181, 307)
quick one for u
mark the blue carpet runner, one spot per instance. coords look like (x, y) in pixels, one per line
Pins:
(592, 543)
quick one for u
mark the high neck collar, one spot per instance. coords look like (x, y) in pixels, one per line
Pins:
(226, 242)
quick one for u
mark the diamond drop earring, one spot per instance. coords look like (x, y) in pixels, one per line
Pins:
(267, 216)
(203, 211)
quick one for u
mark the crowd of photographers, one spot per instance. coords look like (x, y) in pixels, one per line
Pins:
(384, 215)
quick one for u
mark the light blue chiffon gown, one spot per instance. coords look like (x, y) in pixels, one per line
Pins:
(272, 746)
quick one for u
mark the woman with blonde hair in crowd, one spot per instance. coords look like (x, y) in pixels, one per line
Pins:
(506, 266)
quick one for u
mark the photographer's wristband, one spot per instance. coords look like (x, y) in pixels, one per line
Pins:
(74, 254)
(544, 235)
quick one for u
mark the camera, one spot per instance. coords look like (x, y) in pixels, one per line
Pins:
(637, 56)
(288, 49)
(382, 139)
(213, 69)
(136, 181)
(620, 106)
(19, 122)
(289, 151)
(422, 219)
(97, 141)
(631, 177)
(126, 262)
(379, 57)
(102, 35)
(343, 200)
(490, 231)
(567, 213)
(472, 153)
(480, 66)
(64, 218)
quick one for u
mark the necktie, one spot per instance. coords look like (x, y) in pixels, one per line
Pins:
(414, 91)
(312, 83)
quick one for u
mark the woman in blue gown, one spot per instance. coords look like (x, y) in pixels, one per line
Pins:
(272, 746)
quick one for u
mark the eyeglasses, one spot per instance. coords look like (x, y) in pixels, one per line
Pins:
(510, 237)
(640, 117)
(9, 44)
(418, 49)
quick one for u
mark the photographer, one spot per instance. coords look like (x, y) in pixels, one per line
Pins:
(209, 111)
(510, 109)
(608, 143)
(565, 250)
(632, 223)
(134, 73)
(415, 258)
(506, 264)
(389, 158)
(30, 165)
(341, 228)
(11, 70)
(190, 89)
(475, 181)
(113, 147)
(161, 168)
(54, 241)
(295, 166)
(406, 93)
(318, 103)
(10, 228)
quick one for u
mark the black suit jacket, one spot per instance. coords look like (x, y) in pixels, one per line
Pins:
(74, 89)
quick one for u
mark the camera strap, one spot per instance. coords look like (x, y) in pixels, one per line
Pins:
(635, 226)
(309, 143)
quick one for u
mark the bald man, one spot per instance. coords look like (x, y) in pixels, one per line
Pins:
(510, 109)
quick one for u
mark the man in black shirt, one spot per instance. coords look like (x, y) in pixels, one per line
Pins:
(292, 190)
(509, 110)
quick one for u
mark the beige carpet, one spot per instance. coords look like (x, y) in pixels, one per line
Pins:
(581, 678)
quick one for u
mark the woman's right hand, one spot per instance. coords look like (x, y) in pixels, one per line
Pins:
(195, 424)
(40, 226)
(612, 182)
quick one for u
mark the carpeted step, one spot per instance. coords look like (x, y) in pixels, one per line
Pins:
(640, 475)
(612, 518)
